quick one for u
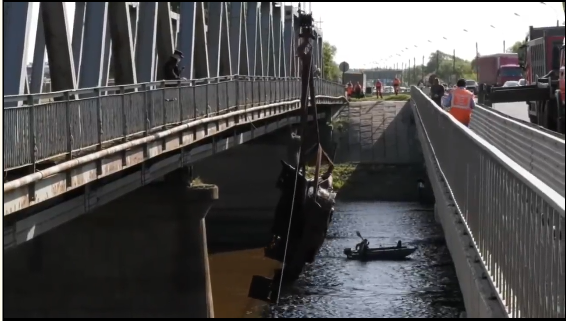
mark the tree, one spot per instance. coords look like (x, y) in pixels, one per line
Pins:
(329, 66)
(447, 67)
(515, 47)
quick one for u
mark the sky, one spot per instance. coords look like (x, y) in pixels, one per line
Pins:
(367, 34)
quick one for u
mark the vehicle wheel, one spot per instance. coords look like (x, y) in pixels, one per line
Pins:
(533, 119)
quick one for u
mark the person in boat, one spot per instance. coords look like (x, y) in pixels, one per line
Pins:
(362, 247)
(399, 245)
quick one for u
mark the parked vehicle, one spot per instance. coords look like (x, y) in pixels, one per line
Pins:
(495, 70)
(472, 86)
(542, 57)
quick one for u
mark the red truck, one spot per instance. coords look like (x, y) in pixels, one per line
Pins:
(495, 70)
(542, 57)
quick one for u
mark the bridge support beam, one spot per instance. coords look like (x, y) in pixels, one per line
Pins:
(237, 30)
(38, 67)
(94, 45)
(122, 43)
(142, 255)
(192, 40)
(78, 33)
(16, 25)
(289, 39)
(165, 37)
(218, 40)
(267, 38)
(145, 44)
(254, 39)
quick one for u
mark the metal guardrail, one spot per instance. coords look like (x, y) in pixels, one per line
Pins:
(82, 119)
(539, 152)
(516, 221)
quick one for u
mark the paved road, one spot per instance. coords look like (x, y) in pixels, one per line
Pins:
(516, 110)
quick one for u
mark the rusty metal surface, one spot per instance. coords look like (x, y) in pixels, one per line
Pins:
(30, 227)
(52, 182)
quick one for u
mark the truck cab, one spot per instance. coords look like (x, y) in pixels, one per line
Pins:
(508, 72)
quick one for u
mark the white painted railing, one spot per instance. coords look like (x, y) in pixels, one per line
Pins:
(515, 221)
(538, 151)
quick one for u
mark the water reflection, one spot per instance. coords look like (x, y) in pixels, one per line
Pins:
(425, 286)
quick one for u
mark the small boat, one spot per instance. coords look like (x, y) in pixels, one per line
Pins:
(381, 253)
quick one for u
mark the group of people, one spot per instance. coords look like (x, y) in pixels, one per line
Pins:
(354, 91)
(459, 101)
(379, 87)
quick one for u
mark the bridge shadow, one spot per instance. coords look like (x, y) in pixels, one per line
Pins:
(246, 176)
(380, 142)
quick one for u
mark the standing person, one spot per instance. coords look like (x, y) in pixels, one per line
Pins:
(358, 90)
(461, 103)
(349, 89)
(378, 86)
(171, 69)
(396, 83)
(437, 92)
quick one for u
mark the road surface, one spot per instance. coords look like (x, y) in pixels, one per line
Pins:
(516, 110)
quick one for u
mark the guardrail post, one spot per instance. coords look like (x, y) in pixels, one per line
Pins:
(195, 108)
(124, 116)
(146, 109)
(100, 130)
(68, 125)
(33, 145)
(237, 81)
(165, 101)
(32, 136)
(179, 104)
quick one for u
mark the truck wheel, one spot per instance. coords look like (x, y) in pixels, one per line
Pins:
(533, 119)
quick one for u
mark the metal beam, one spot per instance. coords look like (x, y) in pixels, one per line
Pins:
(145, 44)
(254, 39)
(17, 16)
(289, 38)
(276, 34)
(122, 43)
(58, 43)
(94, 45)
(38, 67)
(266, 33)
(218, 42)
(78, 34)
(235, 20)
(107, 58)
(192, 39)
(164, 37)
(321, 55)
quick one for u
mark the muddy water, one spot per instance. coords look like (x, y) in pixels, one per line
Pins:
(425, 286)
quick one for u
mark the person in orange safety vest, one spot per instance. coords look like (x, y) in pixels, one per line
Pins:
(378, 86)
(461, 102)
(396, 84)
(349, 89)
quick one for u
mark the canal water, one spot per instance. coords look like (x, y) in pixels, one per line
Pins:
(424, 286)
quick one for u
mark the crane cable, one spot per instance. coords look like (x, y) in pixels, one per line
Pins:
(295, 185)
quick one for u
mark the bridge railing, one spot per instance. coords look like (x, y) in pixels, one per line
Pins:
(515, 220)
(541, 152)
(63, 124)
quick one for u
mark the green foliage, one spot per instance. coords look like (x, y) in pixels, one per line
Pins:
(515, 48)
(449, 68)
(330, 67)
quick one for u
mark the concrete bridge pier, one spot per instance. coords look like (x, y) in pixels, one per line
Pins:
(142, 255)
